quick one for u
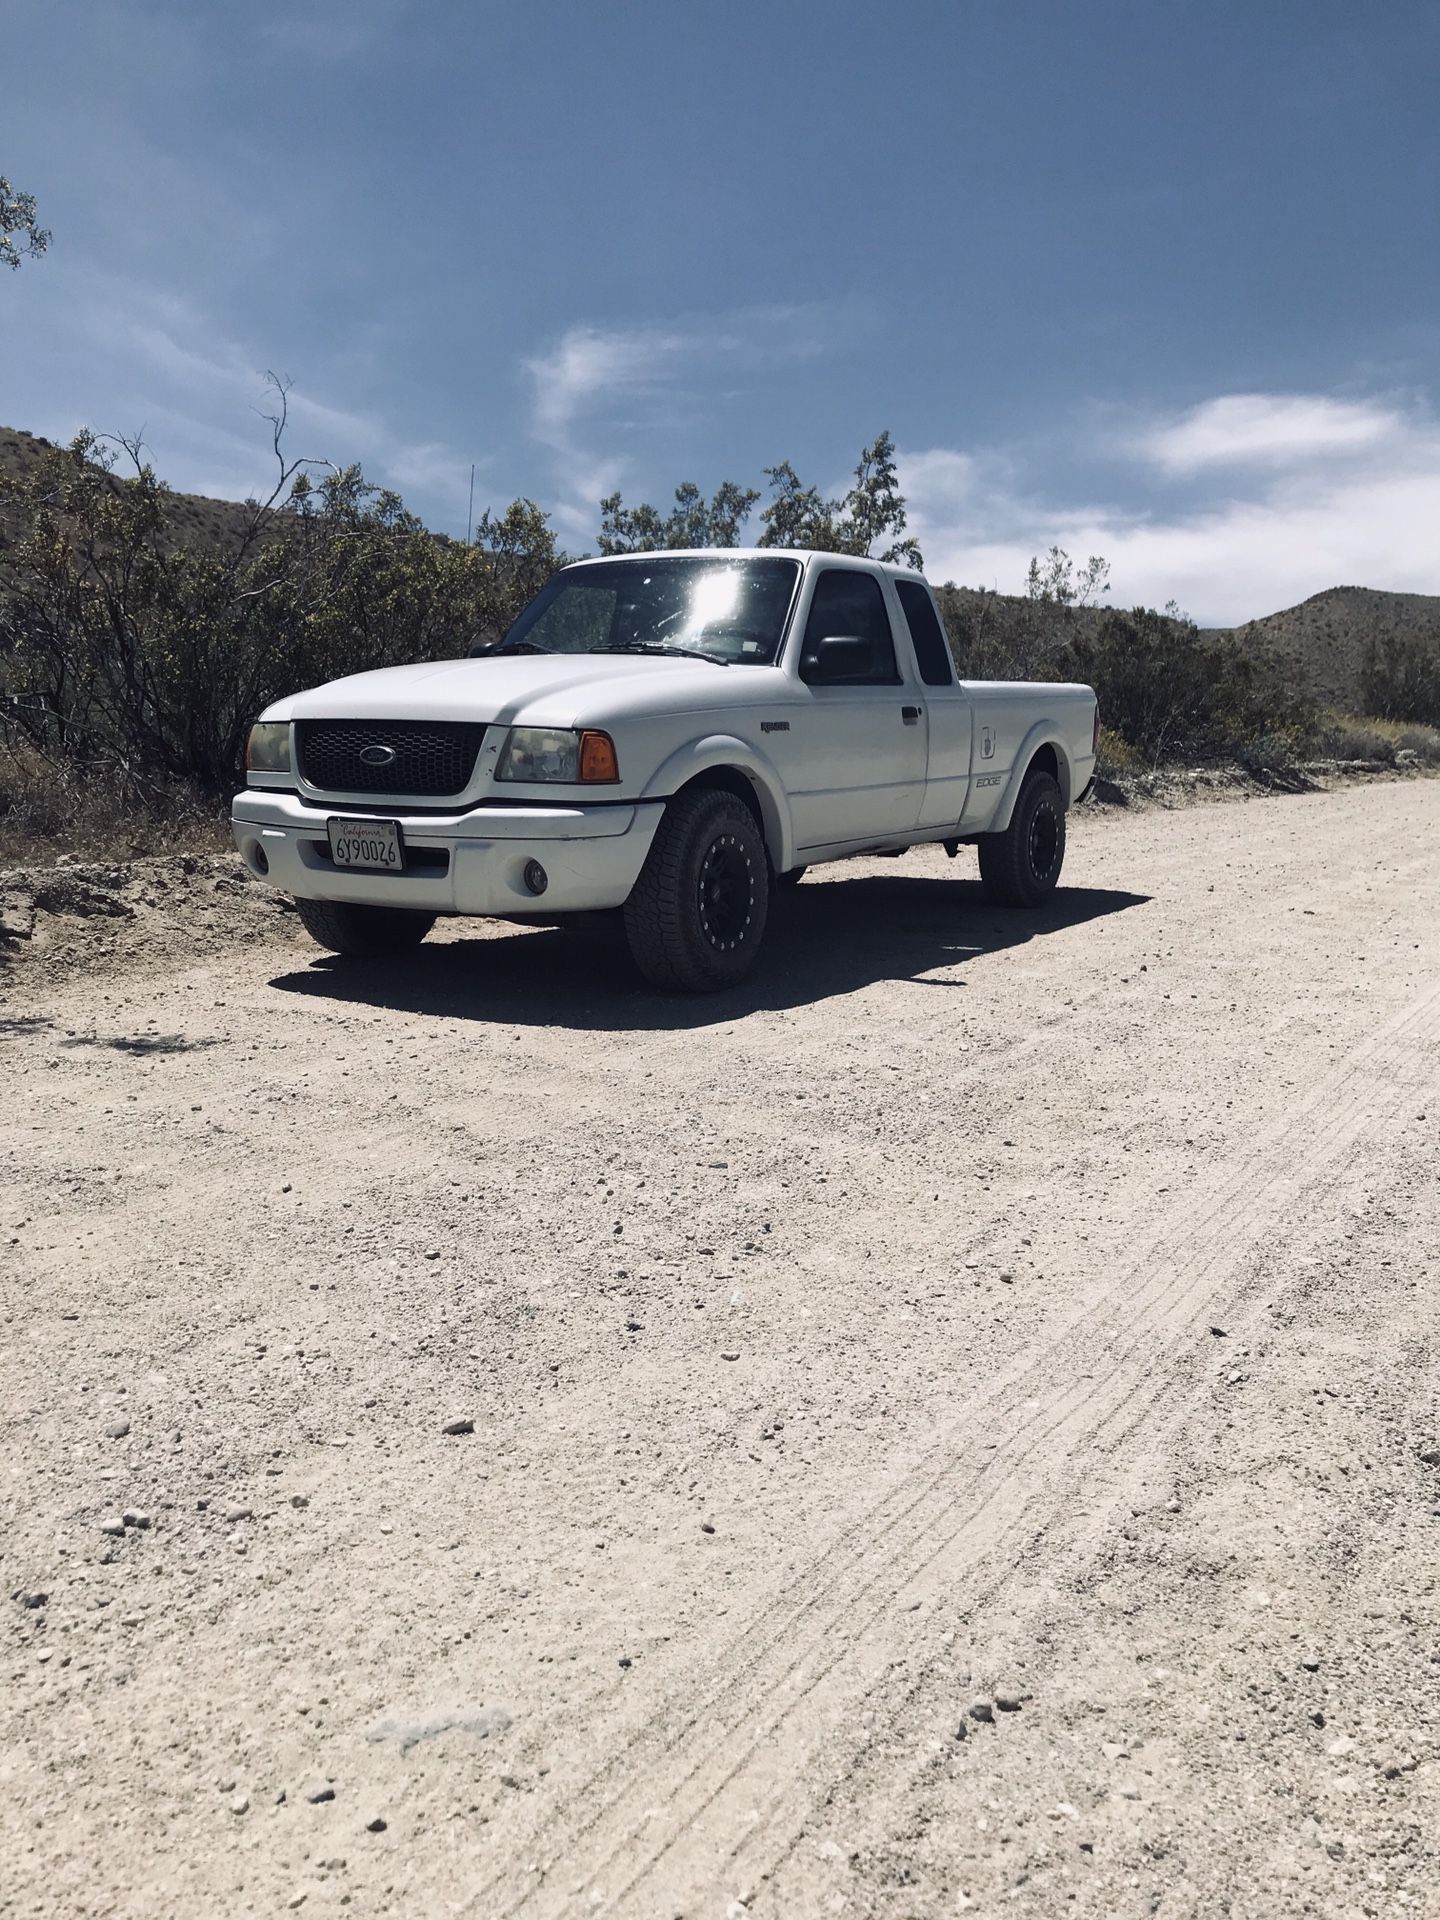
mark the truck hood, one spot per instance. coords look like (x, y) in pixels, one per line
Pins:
(557, 691)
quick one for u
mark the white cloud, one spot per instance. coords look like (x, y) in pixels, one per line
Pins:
(1266, 429)
(599, 390)
(1360, 511)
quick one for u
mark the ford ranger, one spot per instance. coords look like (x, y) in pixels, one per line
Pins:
(667, 735)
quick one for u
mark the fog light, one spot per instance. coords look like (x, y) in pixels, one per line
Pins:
(258, 859)
(536, 878)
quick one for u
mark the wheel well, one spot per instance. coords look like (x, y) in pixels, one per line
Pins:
(732, 780)
(1046, 760)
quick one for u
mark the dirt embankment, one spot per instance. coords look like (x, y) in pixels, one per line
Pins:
(951, 1427)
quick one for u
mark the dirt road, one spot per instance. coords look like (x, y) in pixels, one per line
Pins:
(955, 1426)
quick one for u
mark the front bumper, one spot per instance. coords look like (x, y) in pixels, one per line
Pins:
(470, 863)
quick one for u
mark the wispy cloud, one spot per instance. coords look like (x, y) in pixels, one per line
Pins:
(1267, 429)
(1287, 494)
(600, 391)
(130, 357)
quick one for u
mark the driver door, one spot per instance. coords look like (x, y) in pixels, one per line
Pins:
(855, 756)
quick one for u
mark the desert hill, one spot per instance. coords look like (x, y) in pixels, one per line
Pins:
(1323, 641)
(196, 519)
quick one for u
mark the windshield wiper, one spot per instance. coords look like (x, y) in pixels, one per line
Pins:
(660, 646)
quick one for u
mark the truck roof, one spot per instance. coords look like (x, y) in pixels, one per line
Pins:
(802, 554)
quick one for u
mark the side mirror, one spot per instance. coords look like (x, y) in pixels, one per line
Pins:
(838, 658)
(483, 641)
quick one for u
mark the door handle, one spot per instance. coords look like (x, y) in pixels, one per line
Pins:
(911, 715)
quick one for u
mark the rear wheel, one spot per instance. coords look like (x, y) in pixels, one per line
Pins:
(696, 916)
(345, 927)
(1019, 867)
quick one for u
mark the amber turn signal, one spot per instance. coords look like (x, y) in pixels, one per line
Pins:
(598, 765)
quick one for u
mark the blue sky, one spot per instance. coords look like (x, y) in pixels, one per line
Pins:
(1158, 281)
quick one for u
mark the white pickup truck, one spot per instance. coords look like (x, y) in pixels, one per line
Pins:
(672, 735)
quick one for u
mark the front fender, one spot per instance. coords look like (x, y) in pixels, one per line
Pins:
(1044, 733)
(715, 751)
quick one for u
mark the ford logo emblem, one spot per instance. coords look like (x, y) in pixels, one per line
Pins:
(377, 756)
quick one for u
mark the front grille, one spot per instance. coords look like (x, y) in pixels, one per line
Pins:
(431, 756)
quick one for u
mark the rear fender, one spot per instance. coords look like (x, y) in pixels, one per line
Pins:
(1044, 733)
(727, 750)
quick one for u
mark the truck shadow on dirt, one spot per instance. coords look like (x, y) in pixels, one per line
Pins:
(826, 938)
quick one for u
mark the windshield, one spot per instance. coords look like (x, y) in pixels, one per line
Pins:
(729, 611)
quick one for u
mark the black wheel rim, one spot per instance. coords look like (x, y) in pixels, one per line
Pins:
(1044, 842)
(727, 893)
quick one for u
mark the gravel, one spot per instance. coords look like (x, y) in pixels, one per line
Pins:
(1093, 1527)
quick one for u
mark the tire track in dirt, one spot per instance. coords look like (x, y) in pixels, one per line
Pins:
(1009, 1506)
(1133, 1433)
(739, 1707)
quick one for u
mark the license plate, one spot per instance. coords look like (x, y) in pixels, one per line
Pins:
(374, 844)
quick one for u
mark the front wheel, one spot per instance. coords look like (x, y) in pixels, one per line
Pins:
(696, 916)
(1019, 867)
(346, 927)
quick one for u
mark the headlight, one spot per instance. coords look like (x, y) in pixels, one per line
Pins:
(558, 754)
(268, 749)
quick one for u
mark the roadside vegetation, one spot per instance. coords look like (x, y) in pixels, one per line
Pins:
(141, 631)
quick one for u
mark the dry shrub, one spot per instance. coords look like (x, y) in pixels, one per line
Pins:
(1115, 758)
(53, 806)
(1347, 736)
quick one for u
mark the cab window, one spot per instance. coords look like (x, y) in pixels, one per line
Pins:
(846, 602)
(928, 636)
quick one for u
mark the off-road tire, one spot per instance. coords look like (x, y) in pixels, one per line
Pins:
(696, 916)
(345, 927)
(1019, 867)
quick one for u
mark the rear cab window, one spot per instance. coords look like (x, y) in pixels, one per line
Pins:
(932, 653)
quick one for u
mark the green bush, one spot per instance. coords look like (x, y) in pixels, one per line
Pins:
(1167, 691)
(126, 651)
(1400, 679)
(1173, 693)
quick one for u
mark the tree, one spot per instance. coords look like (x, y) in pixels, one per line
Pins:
(693, 522)
(873, 509)
(798, 516)
(1004, 637)
(17, 217)
(1056, 582)
(871, 513)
